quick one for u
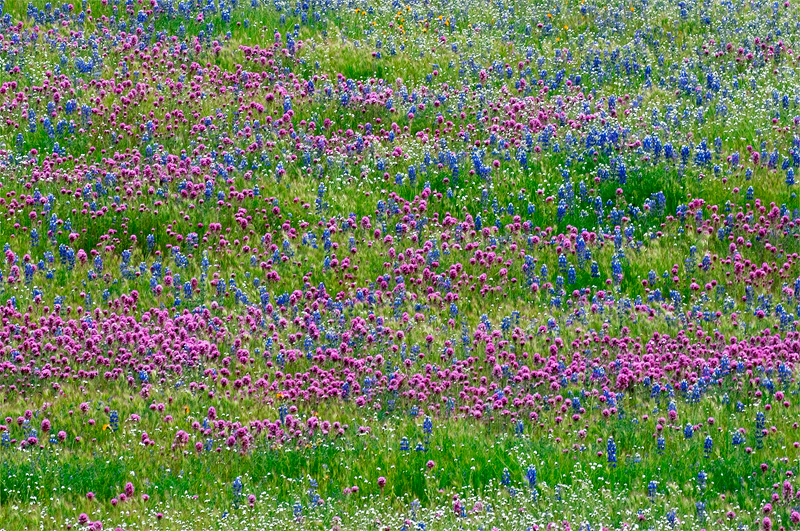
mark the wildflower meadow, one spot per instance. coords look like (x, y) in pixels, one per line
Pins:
(399, 265)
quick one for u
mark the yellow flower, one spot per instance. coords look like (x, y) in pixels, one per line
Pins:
(105, 427)
(280, 395)
(186, 409)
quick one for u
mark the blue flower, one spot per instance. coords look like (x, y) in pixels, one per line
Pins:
(531, 476)
(701, 480)
(708, 446)
(611, 450)
(404, 445)
(237, 491)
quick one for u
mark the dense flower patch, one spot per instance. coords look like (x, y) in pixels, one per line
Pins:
(399, 265)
